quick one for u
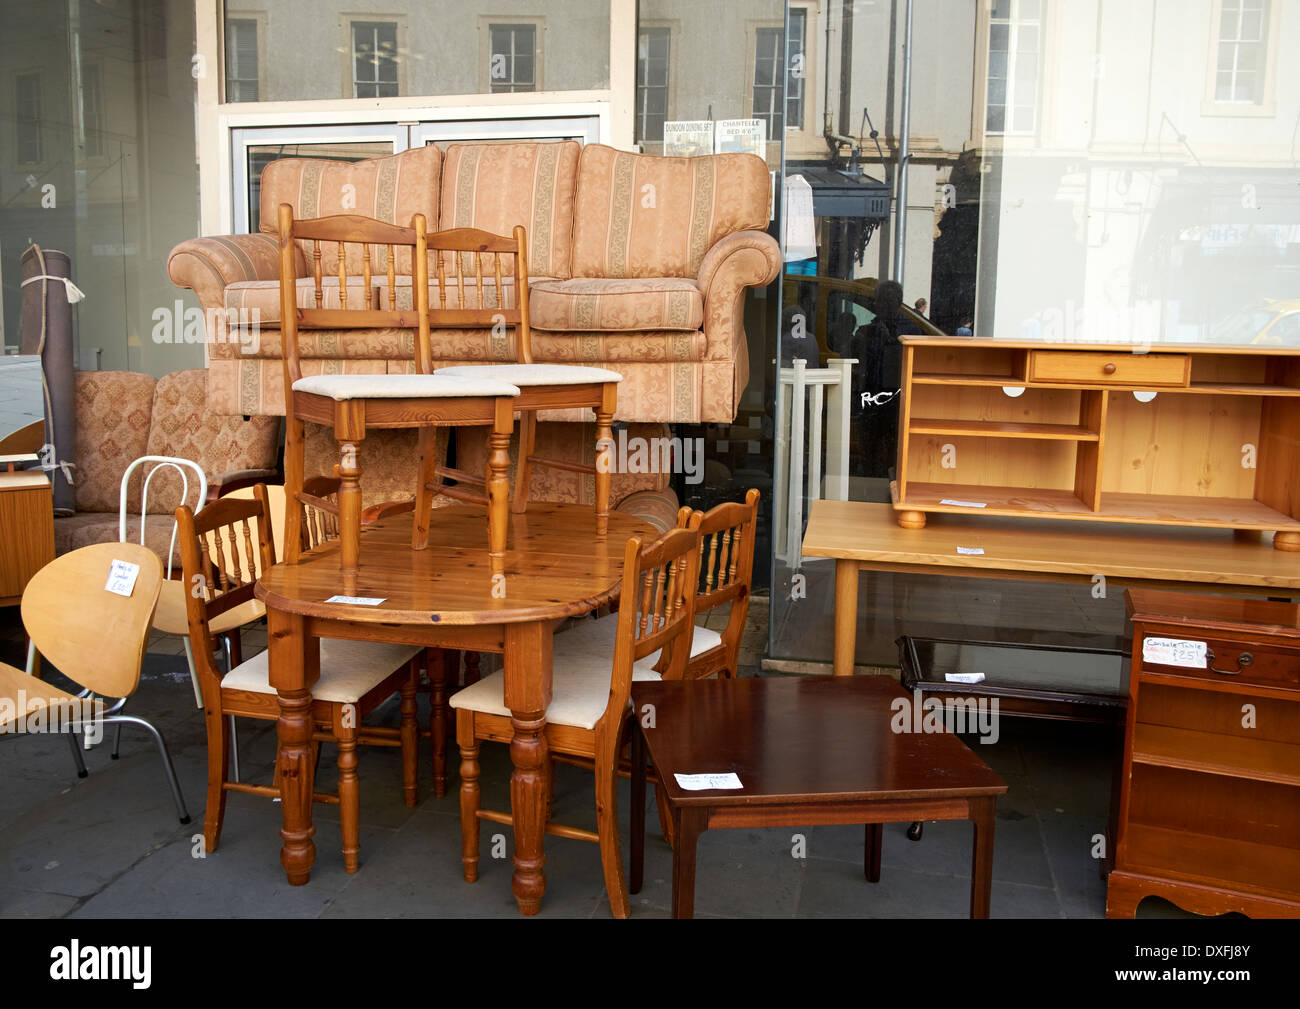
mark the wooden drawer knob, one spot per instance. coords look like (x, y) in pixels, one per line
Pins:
(1109, 369)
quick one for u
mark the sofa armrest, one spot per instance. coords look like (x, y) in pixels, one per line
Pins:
(207, 265)
(742, 259)
(223, 483)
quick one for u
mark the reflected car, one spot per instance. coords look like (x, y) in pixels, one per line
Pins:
(835, 309)
(1272, 323)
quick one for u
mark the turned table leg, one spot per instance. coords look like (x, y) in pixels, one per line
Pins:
(604, 455)
(528, 695)
(294, 666)
(498, 483)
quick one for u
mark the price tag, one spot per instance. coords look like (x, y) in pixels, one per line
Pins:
(964, 677)
(1174, 652)
(973, 551)
(356, 600)
(953, 502)
(121, 578)
(703, 782)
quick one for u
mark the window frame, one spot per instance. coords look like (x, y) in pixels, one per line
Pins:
(99, 126)
(1267, 104)
(1014, 23)
(486, 23)
(671, 28)
(350, 18)
(20, 122)
(259, 20)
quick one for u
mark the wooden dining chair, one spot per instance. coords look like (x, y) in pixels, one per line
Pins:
(97, 639)
(351, 404)
(224, 550)
(590, 708)
(541, 386)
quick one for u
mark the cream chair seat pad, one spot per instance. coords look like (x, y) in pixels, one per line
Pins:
(343, 387)
(348, 669)
(583, 663)
(534, 374)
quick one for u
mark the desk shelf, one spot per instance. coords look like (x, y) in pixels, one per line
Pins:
(1057, 432)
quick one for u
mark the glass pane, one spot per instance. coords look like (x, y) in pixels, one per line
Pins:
(999, 36)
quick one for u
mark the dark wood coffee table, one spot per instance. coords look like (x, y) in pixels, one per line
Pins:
(809, 750)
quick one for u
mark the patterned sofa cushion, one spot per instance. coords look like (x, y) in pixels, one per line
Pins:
(183, 426)
(637, 215)
(392, 189)
(113, 415)
(599, 303)
(497, 186)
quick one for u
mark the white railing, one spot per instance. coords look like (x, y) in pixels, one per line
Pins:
(803, 395)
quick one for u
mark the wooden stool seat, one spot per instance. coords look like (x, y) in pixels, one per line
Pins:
(345, 387)
(532, 375)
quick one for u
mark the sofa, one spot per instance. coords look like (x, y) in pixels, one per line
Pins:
(637, 263)
(122, 415)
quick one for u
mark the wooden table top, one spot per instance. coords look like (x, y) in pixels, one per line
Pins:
(802, 739)
(555, 567)
(869, 532)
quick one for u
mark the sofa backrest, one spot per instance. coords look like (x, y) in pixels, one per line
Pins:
(497, 186)
(392, 189)
(122, 415)
(639, 215)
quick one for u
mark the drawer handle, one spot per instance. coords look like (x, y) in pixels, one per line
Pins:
(1243, 660)
(1109, 369)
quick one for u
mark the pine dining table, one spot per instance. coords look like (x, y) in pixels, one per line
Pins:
(445, 596)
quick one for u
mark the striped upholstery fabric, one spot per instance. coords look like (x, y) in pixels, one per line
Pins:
(497, 186)
(599, 303)
(638, 215)
(391, 189)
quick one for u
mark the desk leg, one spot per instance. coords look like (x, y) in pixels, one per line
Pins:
(527, 695)
(982, 813)
(294, 666)
(875, 843)
(688, 824)
(846, 615)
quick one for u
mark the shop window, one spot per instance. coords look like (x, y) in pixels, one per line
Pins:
(513, 58)
(1242, 52)
(778, 82)
(92, 110)
(374, 59)
(652, 84)
(242, 65)
(1015, 49)
(27, 94)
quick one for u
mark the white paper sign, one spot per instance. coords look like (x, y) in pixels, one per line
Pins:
(703, 782)
(1174, 652)
(356, 600)
(963, 504)
(970, 550)
(964, 677)
(121, 578)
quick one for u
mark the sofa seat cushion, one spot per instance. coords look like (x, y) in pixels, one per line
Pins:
(348, 670)
(598, 303)
(257, 302)
(527, 375)
(451, 288)
(345, 387)
(88, 528)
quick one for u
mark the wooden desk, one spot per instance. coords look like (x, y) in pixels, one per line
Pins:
(26, 530)
(809, 750)
(444, 596)
(862, 534)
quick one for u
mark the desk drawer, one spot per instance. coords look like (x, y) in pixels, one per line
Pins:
(1122, 368)
(1242, 663)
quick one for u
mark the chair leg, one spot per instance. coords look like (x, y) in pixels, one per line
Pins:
(428, 442)
(410, 737)
(436, 664)
(214, 814)
(234, 749)
(611, 855)
(524, 466)
(349, 502)
(168, 769)
(638, 808)
(293, 480)
(349, 794)
(194, 673)
(117, 741)
(74, 740)
(470, 798)
(604, 456)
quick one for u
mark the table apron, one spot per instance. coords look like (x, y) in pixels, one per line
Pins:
(817, 814)
(468, 637)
